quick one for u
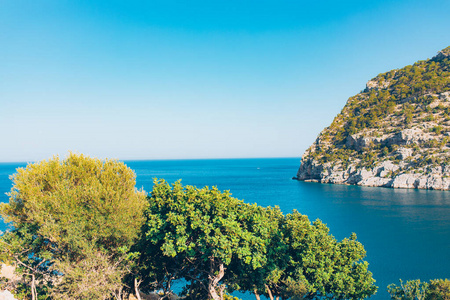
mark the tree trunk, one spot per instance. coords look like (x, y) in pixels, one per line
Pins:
(269, 292)
(33, 287)
(214, 280)
(221, 288)
(136, 289)
(257, 295)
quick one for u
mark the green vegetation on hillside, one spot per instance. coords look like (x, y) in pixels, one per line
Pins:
(393, 101)
(410, 87)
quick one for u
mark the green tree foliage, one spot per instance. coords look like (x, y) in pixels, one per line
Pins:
(97, 275)
(411, 290)
(73, 214)
(81, 230)
(261, 280)
(319, 266)
(31, 255)
(216, 242)
(437, 289)
(198, 233)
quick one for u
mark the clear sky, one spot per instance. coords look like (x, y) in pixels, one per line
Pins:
(195, 79)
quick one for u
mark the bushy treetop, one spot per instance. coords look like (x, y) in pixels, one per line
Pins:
(73, 223)
(217, 242)
(77, 199)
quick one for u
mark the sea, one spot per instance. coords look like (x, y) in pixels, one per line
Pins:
(405, 232)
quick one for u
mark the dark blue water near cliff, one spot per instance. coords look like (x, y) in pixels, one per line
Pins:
(406, 232)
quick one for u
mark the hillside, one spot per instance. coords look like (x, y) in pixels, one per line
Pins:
(395, 133)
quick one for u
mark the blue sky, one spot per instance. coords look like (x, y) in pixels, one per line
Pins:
(195, 79)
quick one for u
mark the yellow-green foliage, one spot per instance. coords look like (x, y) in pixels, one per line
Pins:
(437, 289)
(76, 200)
(74, 221)
(229, 297)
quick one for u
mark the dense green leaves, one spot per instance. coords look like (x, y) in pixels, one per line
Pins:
(202, 230)
(437, 289)
(196, 232)
(321, 267)
(82, 231)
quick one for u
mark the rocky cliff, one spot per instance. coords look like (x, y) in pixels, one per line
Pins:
(395, 133)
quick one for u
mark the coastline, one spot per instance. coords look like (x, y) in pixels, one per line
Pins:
(378, 176)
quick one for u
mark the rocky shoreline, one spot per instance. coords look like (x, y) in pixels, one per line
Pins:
(437, 179)
(401, 174)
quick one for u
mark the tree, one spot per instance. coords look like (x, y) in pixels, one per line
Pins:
(305, 262)
(263, 280)
(195, 234)
(437, 289)
(19, 248)
(411, 290)
(325, 267)
(216, 242)
(69, 213)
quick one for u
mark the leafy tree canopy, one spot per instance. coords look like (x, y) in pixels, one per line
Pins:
(203, 231)
(216, 242)
(437, 289)
(81, 230)
(66, 212)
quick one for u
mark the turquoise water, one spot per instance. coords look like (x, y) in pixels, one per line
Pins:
(406, 233)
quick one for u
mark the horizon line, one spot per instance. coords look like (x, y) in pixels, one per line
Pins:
(162, 159)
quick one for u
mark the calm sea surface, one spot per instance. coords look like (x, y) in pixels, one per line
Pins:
(406, 233)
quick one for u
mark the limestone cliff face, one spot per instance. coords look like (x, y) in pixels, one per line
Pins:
(395, 133)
